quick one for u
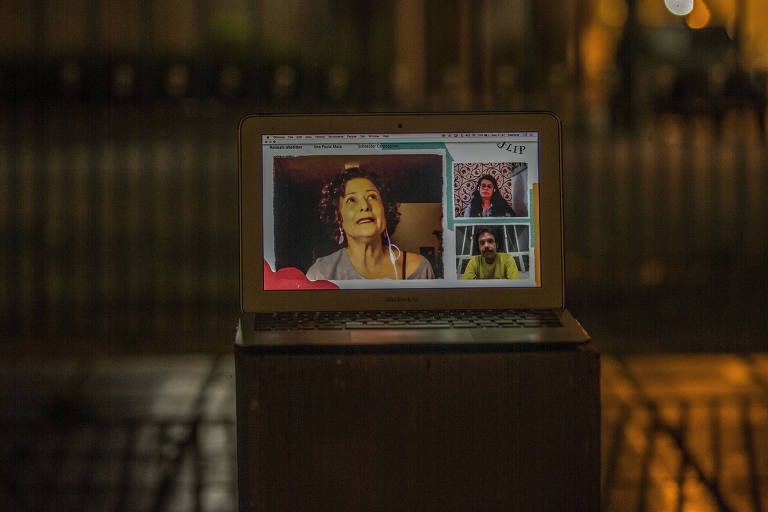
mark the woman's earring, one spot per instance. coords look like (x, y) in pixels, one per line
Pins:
(341, 236)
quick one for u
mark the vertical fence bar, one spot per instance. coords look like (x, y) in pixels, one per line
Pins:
(648, 182)
(210, 280)
(148, 195)
(113, 239)
(573, 195)
(37, 210)
(26, 205)
(55, 242)
(718, 199)
(593, 206)
(104, 156)
(626, 221)
(610, 198)
(117, 243)
(94, 263)
(224, 237)
(135, 192)
(740, 182)
(191, 221)
(675, 158)
(10, 188)
(201, 296)
(5, 171)
(700, 177)
(756, 211)
(158, 251)
(64, 223)
(81, 225)
(666, 189)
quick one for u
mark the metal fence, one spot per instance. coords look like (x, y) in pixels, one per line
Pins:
(677, 203)
(117, 221)
(123, 219)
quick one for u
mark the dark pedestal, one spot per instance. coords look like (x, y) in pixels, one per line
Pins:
(513, 429)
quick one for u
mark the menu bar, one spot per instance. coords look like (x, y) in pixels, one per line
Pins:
(422, 137)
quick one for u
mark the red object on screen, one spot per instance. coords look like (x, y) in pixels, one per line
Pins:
(292, 278)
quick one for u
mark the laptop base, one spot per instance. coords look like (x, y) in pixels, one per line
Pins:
(568, 331)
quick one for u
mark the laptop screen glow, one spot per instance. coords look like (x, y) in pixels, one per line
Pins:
(400, 211)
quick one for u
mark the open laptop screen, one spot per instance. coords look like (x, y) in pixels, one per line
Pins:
(400, 210)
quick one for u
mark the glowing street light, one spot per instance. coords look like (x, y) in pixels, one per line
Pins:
(679, 7)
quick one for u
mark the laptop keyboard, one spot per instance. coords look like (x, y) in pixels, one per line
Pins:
(426, 319)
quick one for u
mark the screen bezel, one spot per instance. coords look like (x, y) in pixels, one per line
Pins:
(253, 297)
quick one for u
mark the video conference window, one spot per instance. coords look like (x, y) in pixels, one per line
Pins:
(333, 212)
(388, 211)
(510, 241)
(490, 189)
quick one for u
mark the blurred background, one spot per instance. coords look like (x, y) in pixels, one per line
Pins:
(118, 213)
(119, 226)
(118, 205)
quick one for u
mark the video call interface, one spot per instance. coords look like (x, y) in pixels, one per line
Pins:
(396, 211)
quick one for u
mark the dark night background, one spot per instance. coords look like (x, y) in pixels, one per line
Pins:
(118, 152)
(119, 216)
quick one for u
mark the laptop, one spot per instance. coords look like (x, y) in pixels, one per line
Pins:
(390, 229)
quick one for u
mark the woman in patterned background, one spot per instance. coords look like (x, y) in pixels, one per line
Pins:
(487, 201)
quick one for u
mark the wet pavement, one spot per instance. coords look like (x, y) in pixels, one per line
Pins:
(157, 433)
(685, 432)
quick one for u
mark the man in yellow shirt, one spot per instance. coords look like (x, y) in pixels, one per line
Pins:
(490, 264)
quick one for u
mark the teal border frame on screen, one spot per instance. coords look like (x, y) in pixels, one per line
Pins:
(451, 220)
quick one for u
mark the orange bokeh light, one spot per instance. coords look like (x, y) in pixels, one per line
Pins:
(700, 16)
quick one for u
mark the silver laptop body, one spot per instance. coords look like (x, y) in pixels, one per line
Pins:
(385, 214)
